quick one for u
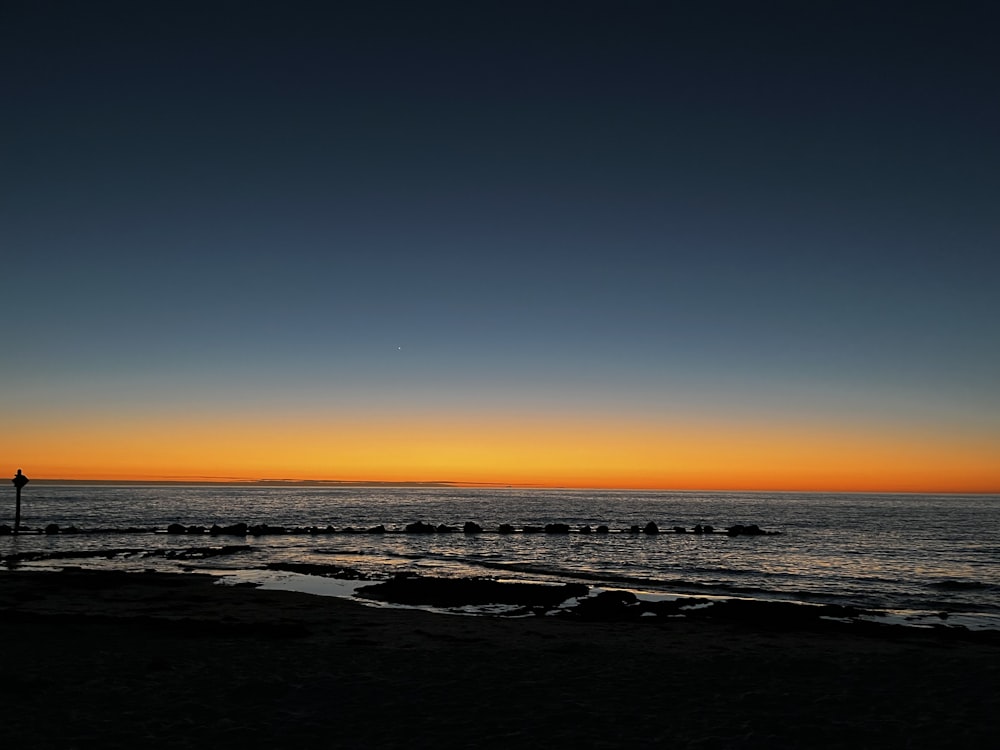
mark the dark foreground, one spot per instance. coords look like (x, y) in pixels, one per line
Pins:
(105, 660)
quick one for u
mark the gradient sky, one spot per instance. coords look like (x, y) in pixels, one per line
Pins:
(634, 244)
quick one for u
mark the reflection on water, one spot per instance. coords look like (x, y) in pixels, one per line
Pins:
(281, 581)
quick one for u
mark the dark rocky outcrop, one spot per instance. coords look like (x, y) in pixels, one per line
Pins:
(608, 605)
(749, 530)
(458, 592)
(263, 530)
(419, 527)
(670, 607)
(236, 529)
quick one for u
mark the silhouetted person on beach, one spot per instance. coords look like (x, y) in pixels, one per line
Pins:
(19, 481)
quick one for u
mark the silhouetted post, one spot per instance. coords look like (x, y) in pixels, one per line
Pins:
(19, 481)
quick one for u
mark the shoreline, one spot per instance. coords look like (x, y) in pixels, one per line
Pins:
(685, 600)
(109, 659)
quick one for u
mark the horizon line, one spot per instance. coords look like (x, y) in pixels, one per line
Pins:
(265, 482)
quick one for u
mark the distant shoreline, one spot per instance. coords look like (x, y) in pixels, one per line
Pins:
(332, 483)
(271, 483)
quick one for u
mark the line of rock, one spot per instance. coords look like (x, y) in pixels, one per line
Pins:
(418, 527)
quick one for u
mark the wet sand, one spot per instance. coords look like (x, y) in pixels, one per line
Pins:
(108, 660)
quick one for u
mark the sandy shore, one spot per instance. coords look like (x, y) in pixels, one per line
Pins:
(103, 660)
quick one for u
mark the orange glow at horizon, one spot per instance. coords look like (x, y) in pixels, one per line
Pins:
(522, 451)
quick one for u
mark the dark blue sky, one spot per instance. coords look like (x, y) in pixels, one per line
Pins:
(640, 202)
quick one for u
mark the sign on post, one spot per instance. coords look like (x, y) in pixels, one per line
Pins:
(19, 481)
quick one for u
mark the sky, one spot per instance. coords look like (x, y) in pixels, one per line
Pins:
(676, 245)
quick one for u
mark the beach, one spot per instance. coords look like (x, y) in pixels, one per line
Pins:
(111, 659)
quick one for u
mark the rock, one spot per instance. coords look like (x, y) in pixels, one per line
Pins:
(586, 529)
(445, 529)
(5, 530)
(380, 529)
(667, 607)
(556, 528)
(602, 529)
(651, 528)
(533, 529)
(176, 528)
(505, 528)
(748, 530)
(458, 592)
(52, 528)
(236, 529)
(634, 529)
(680, 530)
(419, 527)
(471, 527)
(608, 605)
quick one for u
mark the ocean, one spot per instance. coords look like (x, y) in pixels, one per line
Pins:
(921, 559)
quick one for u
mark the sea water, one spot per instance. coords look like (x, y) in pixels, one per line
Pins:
(919, 556)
